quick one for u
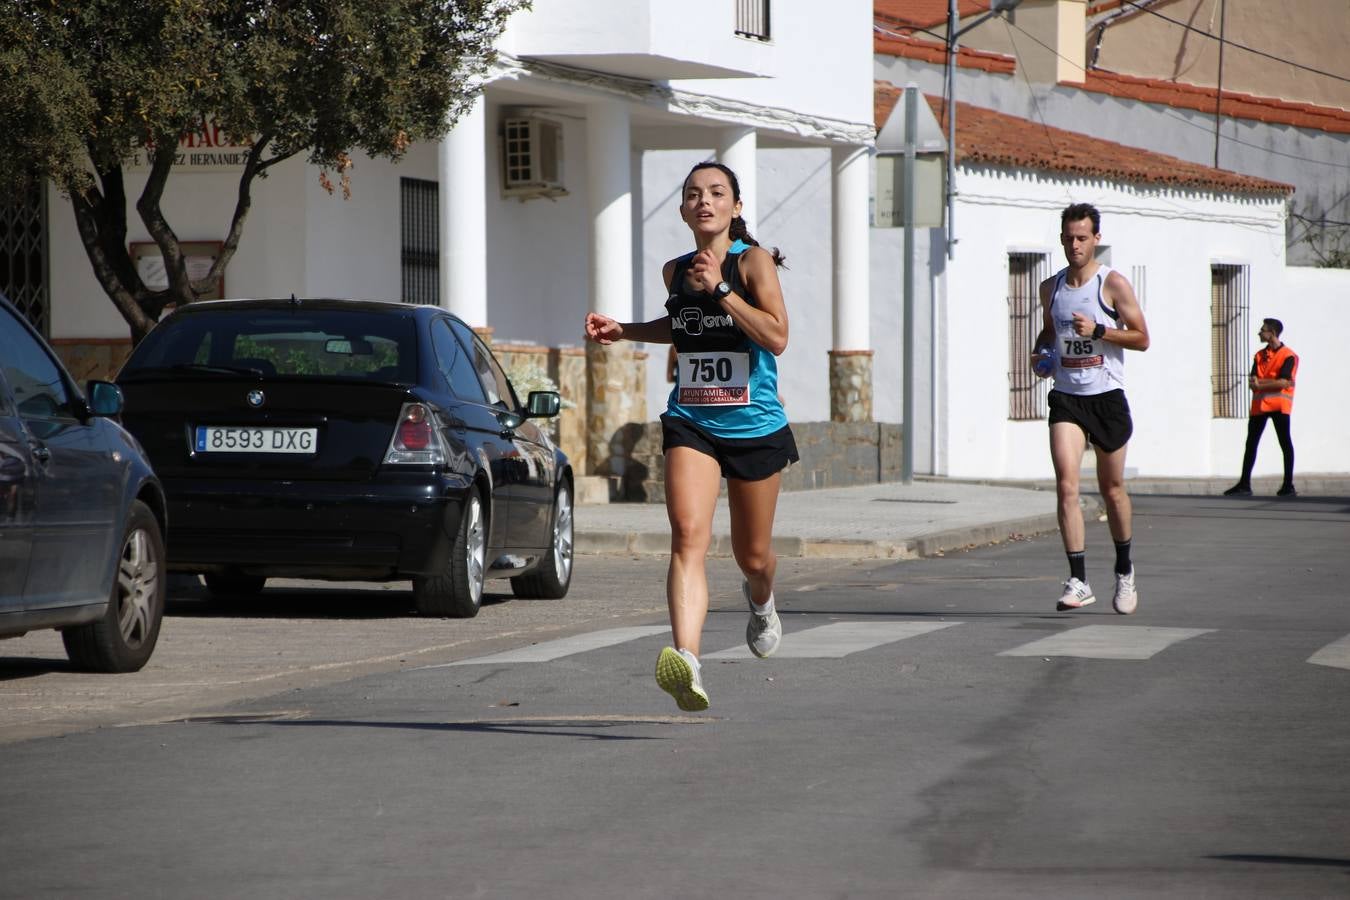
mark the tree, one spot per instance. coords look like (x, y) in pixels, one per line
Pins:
(86, 85)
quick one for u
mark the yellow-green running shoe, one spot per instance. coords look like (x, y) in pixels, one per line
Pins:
(678, 678)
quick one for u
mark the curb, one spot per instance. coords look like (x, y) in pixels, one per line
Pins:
(937, 544)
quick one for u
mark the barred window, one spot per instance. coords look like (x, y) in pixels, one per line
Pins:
(1229, 336)
(23, 255)
(752, 19)
(419, 228)
(1026, 393)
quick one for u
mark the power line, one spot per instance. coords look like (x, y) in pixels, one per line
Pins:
(1270, 56)
(1167, 110)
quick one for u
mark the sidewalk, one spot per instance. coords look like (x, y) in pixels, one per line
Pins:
(895, 521)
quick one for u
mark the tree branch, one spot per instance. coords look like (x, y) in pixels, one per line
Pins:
(90, 208)
(148, 205)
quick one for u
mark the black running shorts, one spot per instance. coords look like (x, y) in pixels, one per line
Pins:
(745, 459)
(1104, 418)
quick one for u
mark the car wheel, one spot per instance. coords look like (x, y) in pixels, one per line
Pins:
(554, 574)
(457, 591)
(123, 639)
(235, 584)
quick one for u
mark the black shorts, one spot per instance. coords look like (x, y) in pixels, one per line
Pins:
(745, 459)
(1104, 418)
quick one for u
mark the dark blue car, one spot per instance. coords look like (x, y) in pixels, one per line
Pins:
(349, 440)
(82, 516)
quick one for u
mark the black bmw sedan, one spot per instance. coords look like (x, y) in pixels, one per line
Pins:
(348, 440)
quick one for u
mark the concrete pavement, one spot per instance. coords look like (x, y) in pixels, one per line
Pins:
(896, 521)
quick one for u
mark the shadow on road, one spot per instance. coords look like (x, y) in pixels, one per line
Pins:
(588, 729)
(1283, 860)
(13, 668)
(322, 603)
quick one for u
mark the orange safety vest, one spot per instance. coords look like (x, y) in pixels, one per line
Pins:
(1267, 364)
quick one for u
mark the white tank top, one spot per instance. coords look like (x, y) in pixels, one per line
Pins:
(1084, 366)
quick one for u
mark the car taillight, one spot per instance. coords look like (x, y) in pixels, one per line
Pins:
(416, 439)
(414, 431)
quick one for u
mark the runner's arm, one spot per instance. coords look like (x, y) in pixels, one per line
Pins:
(605, 330)
(766, 323)
(1134, 336)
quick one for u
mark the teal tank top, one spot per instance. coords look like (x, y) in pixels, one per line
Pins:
(726, 384)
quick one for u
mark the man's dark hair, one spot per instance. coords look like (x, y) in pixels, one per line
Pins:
(1081, 211)
(1274, 325)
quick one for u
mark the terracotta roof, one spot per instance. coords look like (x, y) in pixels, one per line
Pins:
(986, 137)
(1130, 87)
(1234, 105)
(924, 13)
(934, 52)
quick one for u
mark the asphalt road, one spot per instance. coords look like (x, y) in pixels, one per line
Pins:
(931, 728)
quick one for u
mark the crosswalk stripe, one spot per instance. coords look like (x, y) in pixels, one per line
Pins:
(551, 650)
(1107, 642)
(1336, 654)
(838, 639)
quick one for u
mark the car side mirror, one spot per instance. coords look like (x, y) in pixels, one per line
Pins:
(105, 398)
(543, 404)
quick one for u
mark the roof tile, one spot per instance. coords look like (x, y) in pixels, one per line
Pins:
(986, 137)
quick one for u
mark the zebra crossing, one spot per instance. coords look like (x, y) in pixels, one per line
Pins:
(837, 640)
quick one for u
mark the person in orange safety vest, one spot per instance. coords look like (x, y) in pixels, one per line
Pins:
(1274, 369)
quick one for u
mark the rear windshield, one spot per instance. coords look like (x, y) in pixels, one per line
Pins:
(316, 343)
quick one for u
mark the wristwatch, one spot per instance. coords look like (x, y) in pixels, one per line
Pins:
(1099, 331)
(721, 290)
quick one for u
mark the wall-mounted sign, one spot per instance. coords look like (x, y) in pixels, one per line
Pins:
(200, 255)
(204, 150)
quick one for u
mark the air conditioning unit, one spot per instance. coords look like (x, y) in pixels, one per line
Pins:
(532, 157)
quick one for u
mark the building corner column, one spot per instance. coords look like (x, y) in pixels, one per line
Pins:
(851, 355)
(615, 395)
(462, 217)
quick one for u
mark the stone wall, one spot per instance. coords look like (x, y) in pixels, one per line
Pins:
(92, 357)
(833, 454)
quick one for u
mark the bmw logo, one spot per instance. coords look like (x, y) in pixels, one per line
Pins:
(255, 398)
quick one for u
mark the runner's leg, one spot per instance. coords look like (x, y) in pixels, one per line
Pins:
(1111, 482)
(753, 504)
(692, 483)
(1067, 445)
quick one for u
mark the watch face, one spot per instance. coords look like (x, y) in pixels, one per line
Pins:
(723, 289)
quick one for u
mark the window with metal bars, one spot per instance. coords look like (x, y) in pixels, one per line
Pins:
(1026, 393)
(752, 19)
(419, 228)
(23, 255)
(1229, 336)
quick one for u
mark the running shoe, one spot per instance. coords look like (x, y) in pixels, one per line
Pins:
(1239, 490)
(680, 679)
(1126, 600)
(1076, 595)
(762, 633)
(1286, 491)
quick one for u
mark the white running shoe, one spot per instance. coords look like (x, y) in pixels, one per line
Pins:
(762, 633)
(1076, 595)
(678, 678)
(1126, 599)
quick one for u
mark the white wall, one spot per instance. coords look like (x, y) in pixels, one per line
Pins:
(1313, 161)
(1311, 304)
(1175, 236)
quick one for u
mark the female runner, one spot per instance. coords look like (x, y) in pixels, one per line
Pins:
(726, 318)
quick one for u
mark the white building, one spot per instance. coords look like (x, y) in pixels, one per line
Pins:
(615, 109)
(559, 192)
